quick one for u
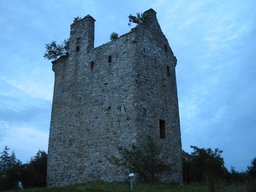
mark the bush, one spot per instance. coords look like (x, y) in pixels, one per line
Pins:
(113, 36)
(144, 159)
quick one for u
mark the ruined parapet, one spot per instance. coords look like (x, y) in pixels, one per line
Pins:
(112, 96)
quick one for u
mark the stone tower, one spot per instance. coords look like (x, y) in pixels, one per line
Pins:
(113, 95)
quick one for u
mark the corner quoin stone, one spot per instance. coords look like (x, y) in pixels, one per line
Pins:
(112, 96)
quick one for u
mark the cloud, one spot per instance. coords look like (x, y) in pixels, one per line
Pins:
(35, 89)
(19, 108)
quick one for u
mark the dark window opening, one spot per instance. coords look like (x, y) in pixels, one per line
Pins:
(155, 62)
(77, 48)
(165, 48)
(168, 71)
(108, 108)
(109, 59)
(162, 129)
(92, 65)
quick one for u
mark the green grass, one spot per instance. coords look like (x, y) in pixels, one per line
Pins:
(118, 187)
(124, 187)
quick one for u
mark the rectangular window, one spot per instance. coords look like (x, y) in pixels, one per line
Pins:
(92, 65)
(109, 59)
(166, 48)
(168, 71)
(77, 44)
(162, 128)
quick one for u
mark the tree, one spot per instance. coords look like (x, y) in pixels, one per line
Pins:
(203, 164)
(12, 171)
(235, 177)
(34, 172)
(10, 168)
(138, 19)
(54, 50)
(186, 165)
(144, 159)
(5, 160)
(252, 169)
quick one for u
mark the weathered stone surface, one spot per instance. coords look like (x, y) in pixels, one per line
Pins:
(111, 96)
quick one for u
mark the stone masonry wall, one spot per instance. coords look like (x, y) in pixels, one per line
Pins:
(157, 93)
(111, 96)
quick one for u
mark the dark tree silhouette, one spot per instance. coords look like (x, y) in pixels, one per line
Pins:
(252, 169)
(34, 172)
(10, 168)
(203, 164)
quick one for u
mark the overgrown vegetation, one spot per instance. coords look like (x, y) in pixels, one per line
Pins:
(138, 18)
(146, 160)
(54, 50)
(113, 36)
(76, 19)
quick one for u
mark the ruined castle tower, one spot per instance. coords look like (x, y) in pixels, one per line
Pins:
(109, 96)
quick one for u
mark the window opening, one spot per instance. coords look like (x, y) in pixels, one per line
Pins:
(77, 44)
(168, 71)
(162, 129)
(109, 59)
(92, 64)
(165, 48)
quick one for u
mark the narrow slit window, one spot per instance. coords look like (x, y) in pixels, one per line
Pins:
(92, 65)
(168, 71)
(77, 44)
(165, 48)
(109, 59)
(162, 129)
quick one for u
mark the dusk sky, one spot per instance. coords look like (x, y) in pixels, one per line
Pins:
(213, 40)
